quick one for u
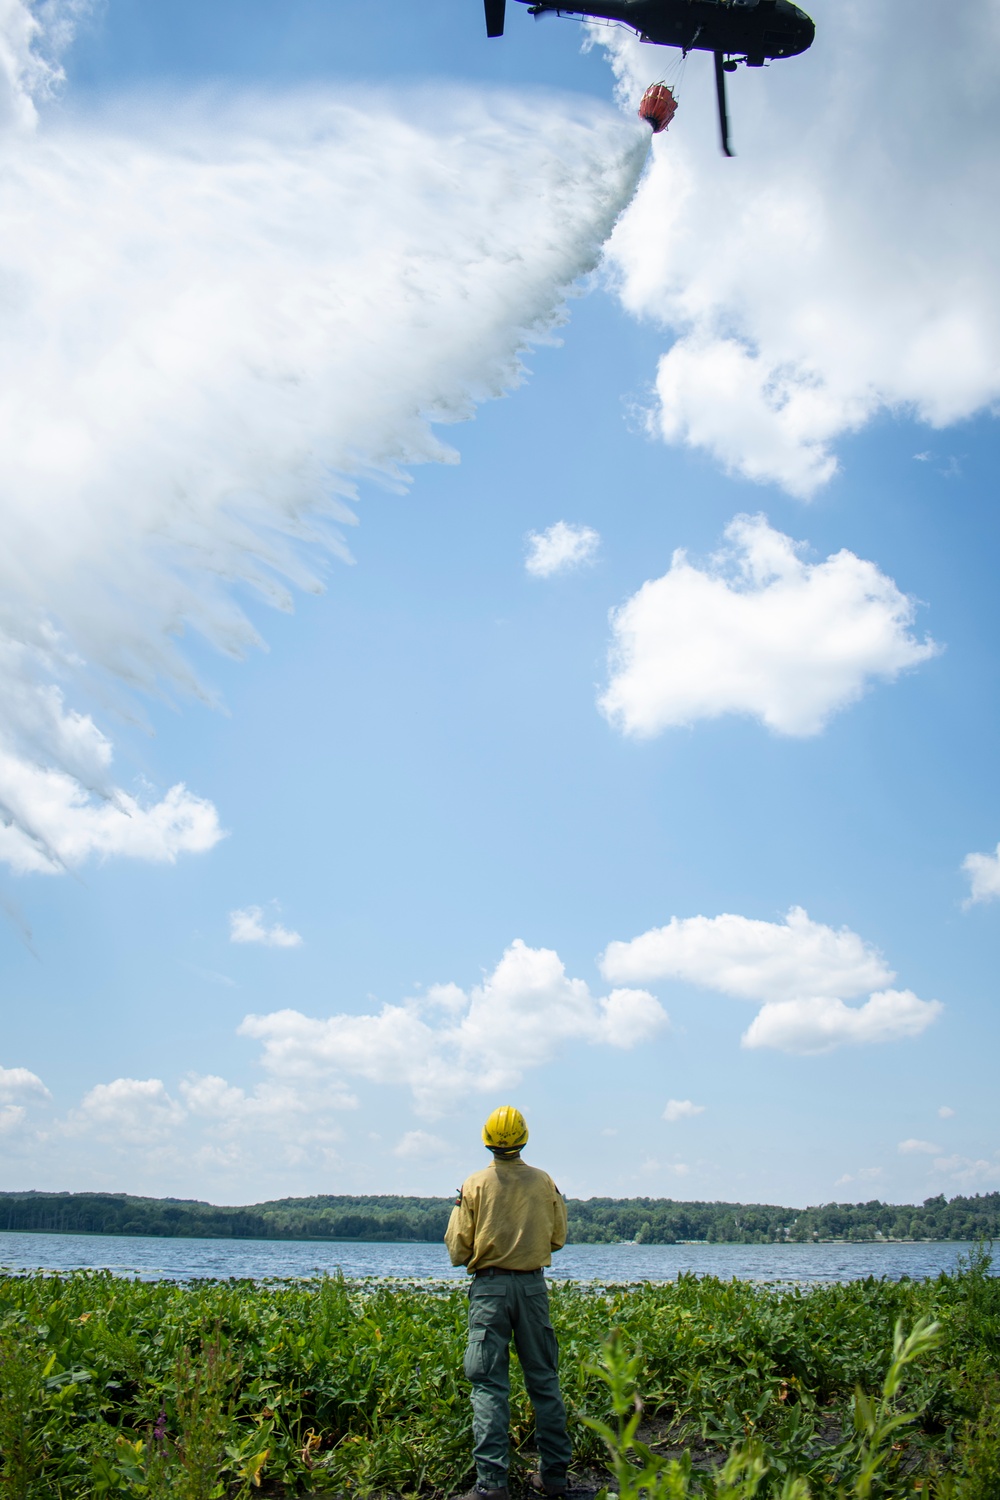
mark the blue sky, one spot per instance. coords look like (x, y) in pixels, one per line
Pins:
(258, 243)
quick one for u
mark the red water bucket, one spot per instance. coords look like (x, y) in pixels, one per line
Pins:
(658, 107)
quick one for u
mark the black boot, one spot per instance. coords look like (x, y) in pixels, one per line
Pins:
(481, 1491)
(551, 1487)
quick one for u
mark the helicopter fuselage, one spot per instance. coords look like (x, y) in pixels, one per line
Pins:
(754, 30)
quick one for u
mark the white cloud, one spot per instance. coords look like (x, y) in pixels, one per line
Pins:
(56, 823)
(277, 1123)
(518, 1018)
(212, 1128)
(32, 38)
(813, 1026)
(212, 1131)
(248, 926)
(227, 315)
(681, 1109)
(208, 1094)
(983, 871)
(968, 1171)
(418, 1145)
(802, 971)
(20, 1092)
(444, 1046)
(129, 1111)
(946, 1112)
(797, 301)
(758, 631)
(913, 1147)
(560, 548)
(751, 959)
(18, 1084)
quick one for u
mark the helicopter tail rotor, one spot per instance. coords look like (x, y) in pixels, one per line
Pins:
(494, 16)
(720, 94)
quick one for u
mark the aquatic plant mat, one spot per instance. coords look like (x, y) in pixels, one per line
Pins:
(115, 1387)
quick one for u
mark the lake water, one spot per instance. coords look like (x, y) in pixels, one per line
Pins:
(183, 1259)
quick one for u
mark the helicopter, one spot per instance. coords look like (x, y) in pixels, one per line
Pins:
(734, 31)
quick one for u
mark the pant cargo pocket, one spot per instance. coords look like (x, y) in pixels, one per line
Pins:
(477, 1355)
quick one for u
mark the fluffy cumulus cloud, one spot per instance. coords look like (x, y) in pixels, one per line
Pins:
(130, 1110)
(19, 1083)
(220, 318)
(799, 971)
(681, 1109)
(444, 1047)
(751, 959)
(560, 549)
(983, 871)
(249, 925)
(843, 263)
(914, 1147)
(819, 1024)
(757, 631)
(273, 1124)
(206, 1128)
(450, 1042)
(19, 1090)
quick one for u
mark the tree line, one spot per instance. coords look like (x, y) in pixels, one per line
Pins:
(321, 1218)
(651, 1221)
(661, 1221)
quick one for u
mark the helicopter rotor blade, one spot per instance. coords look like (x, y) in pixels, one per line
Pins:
(494, 16)
(720, 94)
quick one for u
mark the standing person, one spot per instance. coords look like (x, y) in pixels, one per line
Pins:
(506, 1222)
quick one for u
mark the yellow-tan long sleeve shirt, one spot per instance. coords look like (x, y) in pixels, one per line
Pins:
(510, 1218)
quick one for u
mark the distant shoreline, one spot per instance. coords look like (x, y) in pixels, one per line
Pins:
(324, 1239)
(388, 1218)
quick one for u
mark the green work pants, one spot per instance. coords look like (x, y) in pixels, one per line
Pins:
(503, 1304)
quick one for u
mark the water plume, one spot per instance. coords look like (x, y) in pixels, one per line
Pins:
(220, 317)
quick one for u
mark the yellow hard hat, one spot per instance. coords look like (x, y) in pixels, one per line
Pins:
(505, 1129)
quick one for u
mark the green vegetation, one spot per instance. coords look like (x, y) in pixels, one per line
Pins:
(118, 1388)
(659, 1221)
(327, 1218)
(652, 1221)
(640, 1473)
